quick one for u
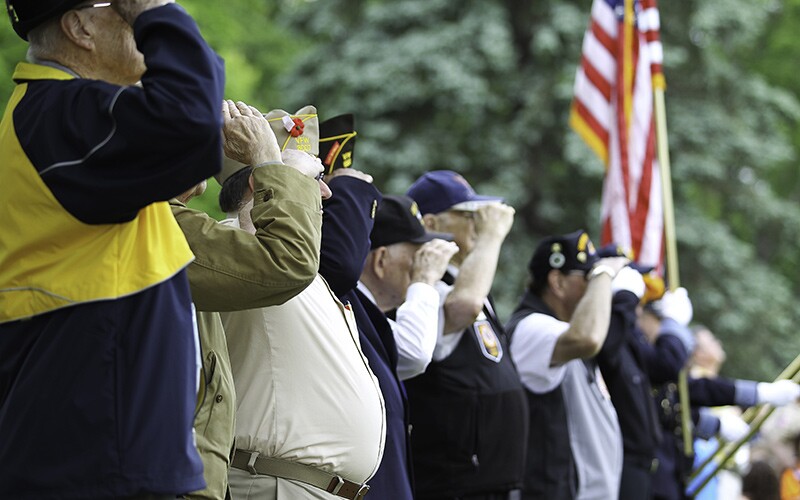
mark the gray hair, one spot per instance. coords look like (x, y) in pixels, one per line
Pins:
(45, 40)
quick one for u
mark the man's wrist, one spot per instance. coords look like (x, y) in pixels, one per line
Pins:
(601, 270)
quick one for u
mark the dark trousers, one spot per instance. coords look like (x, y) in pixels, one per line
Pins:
(151, 497)
(514, 495)
(637, 481)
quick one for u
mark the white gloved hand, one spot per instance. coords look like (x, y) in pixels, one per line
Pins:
(628, 279)
(676, 305)
(732, 427)
(778, 393)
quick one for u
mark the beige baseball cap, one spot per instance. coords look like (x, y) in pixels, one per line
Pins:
(298, 131)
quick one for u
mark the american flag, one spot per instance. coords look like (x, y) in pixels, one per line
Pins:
(612, 110)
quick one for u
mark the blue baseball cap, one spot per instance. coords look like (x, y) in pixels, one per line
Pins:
(441, 190)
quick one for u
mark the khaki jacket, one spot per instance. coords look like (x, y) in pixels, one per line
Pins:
(234, 270)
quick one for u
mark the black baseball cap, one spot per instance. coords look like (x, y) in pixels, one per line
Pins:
(28, 14)
(398, 220)
(568, 252)
(337, 142)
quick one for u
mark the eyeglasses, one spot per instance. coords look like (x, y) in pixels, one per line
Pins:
(464, 213)
(93, 6)
(320, 176)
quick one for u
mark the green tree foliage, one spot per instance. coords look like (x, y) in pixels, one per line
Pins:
(483, 87)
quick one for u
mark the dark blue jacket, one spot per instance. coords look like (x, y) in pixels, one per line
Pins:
(346, 225)
(665, 360)
(97, 399)
(625, 373)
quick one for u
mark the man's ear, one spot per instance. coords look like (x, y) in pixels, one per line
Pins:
(555, 282)
(379, 258)
(78, 28)
(430, 221)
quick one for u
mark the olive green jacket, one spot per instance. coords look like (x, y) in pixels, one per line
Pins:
(234, 270)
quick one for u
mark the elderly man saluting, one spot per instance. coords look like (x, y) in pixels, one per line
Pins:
(98, 356)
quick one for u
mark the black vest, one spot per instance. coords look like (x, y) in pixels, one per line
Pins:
(469, 417)
(550, 467)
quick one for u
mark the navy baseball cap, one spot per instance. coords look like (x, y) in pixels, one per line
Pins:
(337, 142)
(398, 220)
(441, 190)
(28, 14)
(569, 252)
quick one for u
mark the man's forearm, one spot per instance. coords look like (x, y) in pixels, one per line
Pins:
(234, 270)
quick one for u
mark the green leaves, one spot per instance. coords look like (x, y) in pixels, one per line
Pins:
(484, 88)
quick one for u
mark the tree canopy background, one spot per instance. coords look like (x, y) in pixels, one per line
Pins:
(484, 88)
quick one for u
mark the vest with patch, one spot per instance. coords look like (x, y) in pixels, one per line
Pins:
(575, 444)
(469, 417)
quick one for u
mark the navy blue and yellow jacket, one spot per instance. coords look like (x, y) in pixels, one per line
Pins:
(98, 372)
(83, 165)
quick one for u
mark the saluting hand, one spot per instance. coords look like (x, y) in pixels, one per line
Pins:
(430, 261)
(129, 10)
(247, 136)
(494, 219)
(307, 164)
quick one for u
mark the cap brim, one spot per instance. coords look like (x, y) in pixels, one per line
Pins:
(430, 235)
(476, 202)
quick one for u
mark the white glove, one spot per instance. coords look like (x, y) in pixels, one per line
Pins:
(630, 280)
(676, 305)
(732, 427)
(778, 393)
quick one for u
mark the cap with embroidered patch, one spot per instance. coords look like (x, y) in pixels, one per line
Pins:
(28, 14)
(398, 220)
(298, 131)
(441, 190)
(569, 252)
(337, 141)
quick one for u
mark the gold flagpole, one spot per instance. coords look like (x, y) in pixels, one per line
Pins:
(759, 416)
(750, 416)
(673, 277)
(670, 242)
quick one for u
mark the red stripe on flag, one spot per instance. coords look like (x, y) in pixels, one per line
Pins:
(630, 217)
(604, 38)
(620, 118)
(598, 80)
(651, 36)
(596, 127)
(642, 209)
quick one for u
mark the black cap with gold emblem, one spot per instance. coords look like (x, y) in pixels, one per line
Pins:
(569, 252)
(337, 141)
(398, 220)
(28, 14)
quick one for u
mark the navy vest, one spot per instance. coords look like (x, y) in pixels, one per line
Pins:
(550, 467)
(393, 479)
(469, 417)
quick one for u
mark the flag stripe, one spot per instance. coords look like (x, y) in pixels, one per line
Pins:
(612, 111)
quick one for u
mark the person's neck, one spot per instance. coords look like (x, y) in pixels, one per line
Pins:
(53, 63)
(556, 306)
(246, 220)
(372, 284)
